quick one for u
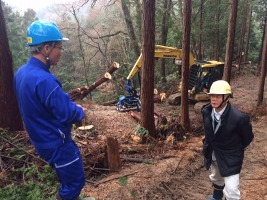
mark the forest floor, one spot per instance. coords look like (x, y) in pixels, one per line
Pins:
(170, 169)
(165, 169)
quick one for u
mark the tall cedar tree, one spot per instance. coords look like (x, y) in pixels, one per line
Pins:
(230, 40)
(200, 30)
(130, 28)
(242, 35)
(263, 67)
(131, 32)
(217, 31)
(164, 34)
(9, 115)
(147, 87)
(248, 31)
(185, 66)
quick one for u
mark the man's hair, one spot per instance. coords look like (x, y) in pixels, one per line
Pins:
(38, 48)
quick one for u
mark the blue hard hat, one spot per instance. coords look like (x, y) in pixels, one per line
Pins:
(43, 31)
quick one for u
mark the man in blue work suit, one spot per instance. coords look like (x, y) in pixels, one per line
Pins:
(228, 132)
(47, 111)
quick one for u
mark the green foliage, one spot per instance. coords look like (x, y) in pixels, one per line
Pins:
(100, 49)
(133, 193)
(102, 97)
(23, 179)
(123, 180)
(36, 184)
(141, 131)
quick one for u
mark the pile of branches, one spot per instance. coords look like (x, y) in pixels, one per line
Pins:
(16, 152)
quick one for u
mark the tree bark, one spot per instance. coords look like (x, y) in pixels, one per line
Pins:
(147, 87)
(217, 31)
(248, 34)
(230, 40)
(185, 64)
(261, 49)
(138, 11)
(130, 28)
(164, 35)
(132, 34)
(9, 116)
(200, 30)
(242, 36)
(263, 69)
(112, 154)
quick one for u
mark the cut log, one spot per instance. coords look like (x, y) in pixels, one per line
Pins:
(112, 154)
(86, 128)
(136, 115)
(158, 98)
(85, 131)
(113, 67)
(174, 99)
(136, 139)
(80, 93)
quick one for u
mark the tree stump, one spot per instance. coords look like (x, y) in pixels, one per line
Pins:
(112, 154)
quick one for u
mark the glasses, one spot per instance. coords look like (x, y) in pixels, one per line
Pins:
(59, 47)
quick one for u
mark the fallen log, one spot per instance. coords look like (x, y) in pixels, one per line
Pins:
(81, 92)
(137, 116)
(174, 99)
(110, 103)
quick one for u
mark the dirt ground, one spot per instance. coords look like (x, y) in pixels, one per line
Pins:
(171, 169)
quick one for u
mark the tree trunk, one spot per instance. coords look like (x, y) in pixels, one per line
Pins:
(242, 36)
(261, 49)
(217, 31)
(130, 27)
(112, 154)
(263, 68)
(138, 11)
(230, 40)
(185, 64)
(133, 38)
(9, 116)
(164, 35)
(147, 87)
(200, 30)
(248, 34)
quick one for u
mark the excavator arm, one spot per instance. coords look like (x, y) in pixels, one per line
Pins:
(132, 101)
(162, 52)
(201, 75)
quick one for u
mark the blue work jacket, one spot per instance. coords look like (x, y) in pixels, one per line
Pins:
(47, 111)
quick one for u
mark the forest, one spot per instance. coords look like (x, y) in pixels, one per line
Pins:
(160, 148)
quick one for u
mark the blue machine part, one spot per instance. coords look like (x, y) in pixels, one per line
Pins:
(129, 102)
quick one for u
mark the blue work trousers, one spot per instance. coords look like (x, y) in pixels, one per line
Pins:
(67, 162)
